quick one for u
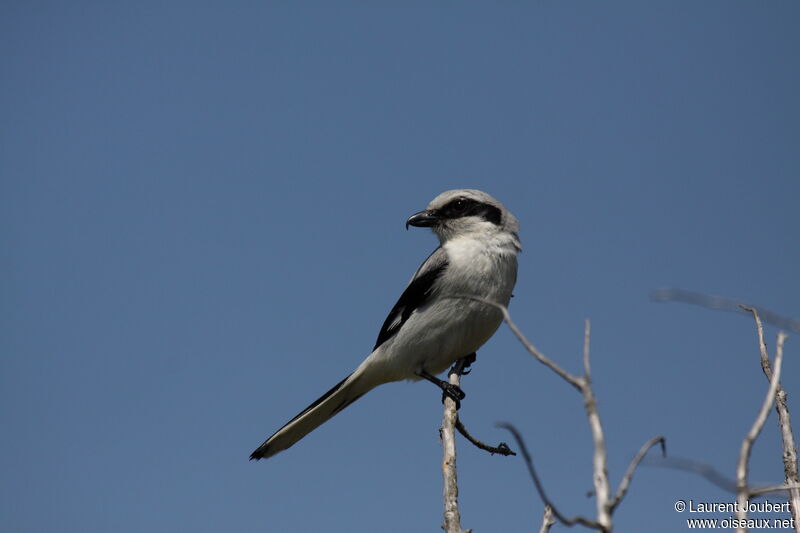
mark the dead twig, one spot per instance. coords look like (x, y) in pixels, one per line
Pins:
(604, 501)
(540, 489)
(784, 423)
(452, 514)
(723, 304)
(747, 444)
(501, 448)
(626, 479)
(547, 519)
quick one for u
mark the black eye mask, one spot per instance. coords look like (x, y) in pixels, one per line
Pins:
(466, 207)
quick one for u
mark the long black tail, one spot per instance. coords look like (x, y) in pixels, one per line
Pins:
(329, 404)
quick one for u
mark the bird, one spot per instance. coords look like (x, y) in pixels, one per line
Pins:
(441, 316)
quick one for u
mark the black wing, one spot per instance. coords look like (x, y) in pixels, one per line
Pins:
(416, 295)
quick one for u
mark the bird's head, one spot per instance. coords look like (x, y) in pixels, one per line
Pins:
(461, 212)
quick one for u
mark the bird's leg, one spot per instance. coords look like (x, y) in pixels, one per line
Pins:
(448, 390)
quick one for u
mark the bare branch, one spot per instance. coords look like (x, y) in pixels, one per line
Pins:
(540, 489)
(775, 489)
(723, 304)
(452, 515)
(626, 479)
(784, 423)
(762, 345)
(755, 430)
(587, 331)
(789, 454)
(501, 448)
(575, 381)
(547, 519)
(602, 489)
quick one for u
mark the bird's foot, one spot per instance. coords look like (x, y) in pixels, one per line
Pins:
(453, 392)
(449, 390)
(467, 363)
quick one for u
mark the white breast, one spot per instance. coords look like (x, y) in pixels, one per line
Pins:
(484, 267)
(452, 326)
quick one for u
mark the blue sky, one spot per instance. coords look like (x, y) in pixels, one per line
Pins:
(201, 231)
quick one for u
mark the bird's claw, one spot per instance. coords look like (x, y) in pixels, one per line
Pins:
(468, 360)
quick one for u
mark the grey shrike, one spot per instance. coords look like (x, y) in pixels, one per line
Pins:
(430, 327)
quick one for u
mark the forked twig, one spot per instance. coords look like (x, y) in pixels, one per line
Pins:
(784, 423)
(547, 519)
(540, 489)
(626, 479)
(742, 490)
(606, 503)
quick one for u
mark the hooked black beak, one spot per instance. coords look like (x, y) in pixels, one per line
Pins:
(423, 219)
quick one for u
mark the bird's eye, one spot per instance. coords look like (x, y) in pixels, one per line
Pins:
(459, 205)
